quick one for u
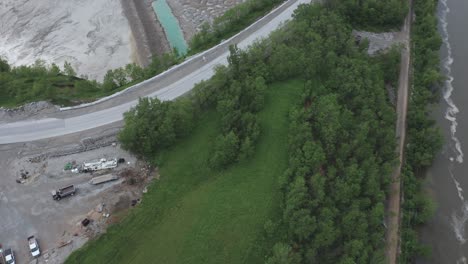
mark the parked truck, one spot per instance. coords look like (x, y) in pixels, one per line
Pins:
(34, 247)
(63, 192)
(101, 164)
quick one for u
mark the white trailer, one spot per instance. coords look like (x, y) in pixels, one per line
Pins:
(103, 179)
(102, 164)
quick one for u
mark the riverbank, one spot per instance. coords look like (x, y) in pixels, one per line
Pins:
(147, 33)
(446, 232)
(424, 140)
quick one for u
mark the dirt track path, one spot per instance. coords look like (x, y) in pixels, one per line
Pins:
(393, 214)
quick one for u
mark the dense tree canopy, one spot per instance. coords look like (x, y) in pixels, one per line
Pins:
(380, 14)
(153, 125)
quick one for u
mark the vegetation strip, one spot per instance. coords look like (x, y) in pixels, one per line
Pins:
(424, 138)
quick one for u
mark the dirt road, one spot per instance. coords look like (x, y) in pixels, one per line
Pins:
(394, 203)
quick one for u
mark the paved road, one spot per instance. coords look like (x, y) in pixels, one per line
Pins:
(181, 80)
(394, 202)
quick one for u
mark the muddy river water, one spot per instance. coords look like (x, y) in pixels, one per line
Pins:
(447, 232)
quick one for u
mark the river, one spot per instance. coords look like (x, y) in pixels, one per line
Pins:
(447, 179)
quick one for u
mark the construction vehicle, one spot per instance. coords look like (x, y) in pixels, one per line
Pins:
(103, 179)
(63, 192)
(34, 247)
(102, 164)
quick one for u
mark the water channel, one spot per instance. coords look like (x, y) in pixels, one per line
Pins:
(447, 232)
(171, 25)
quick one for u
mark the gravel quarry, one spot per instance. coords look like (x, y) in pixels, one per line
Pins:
(93, 36)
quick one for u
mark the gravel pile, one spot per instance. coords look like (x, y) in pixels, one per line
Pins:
(378, 41)
(193, 13)
(27, 110)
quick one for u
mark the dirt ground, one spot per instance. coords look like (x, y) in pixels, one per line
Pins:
(193, 13)
(28, 209)
(381, 41)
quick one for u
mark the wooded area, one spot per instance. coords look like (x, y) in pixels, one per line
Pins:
(341, 139)
(342, 146)
(371, 14)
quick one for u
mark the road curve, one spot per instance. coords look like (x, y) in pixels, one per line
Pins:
(31, 130)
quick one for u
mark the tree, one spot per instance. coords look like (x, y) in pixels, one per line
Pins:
(282, 254)
(153, 125)
(39, 87)
(4, 66)
(135, 72)
(68, 69)
(120, 77)
(225, 151)
(109, 84)
(54, 70)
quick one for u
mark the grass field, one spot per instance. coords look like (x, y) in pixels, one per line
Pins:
(196, 215)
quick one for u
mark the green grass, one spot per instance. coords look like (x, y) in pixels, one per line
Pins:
(196, 215)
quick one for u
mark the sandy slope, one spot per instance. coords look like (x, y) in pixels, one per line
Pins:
(193, 13)
(93, 35)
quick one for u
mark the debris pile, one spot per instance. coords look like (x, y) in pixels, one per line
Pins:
(27, 110)
(86, 144)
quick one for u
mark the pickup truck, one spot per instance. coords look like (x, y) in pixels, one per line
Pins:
(34, 247)
(63, 192)
(9, 256)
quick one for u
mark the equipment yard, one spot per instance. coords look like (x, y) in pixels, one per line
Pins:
(31, 171)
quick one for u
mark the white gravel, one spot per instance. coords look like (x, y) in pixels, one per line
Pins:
(93, 35)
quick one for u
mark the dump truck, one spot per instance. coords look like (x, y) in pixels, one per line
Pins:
(103, 179)
(34, 247)
(63, 192)
(102, 164)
